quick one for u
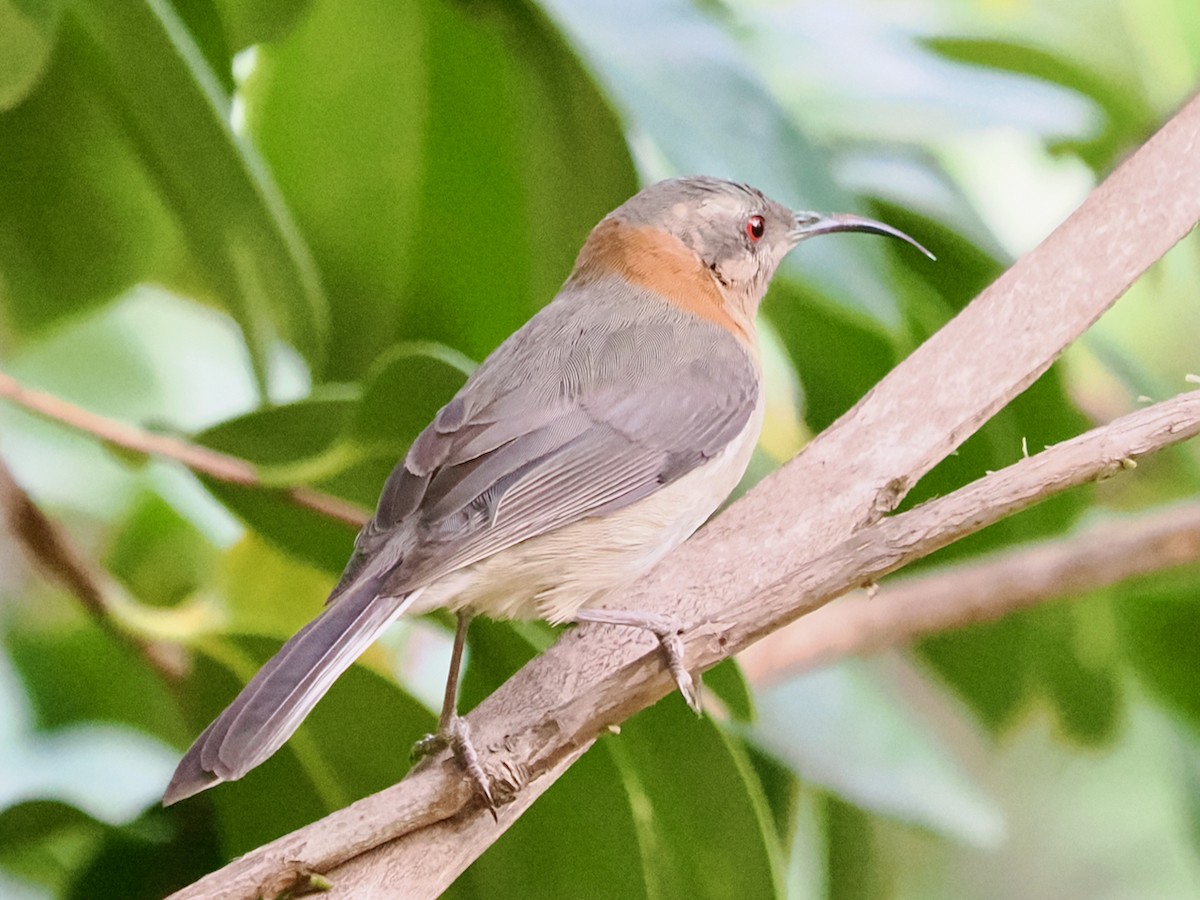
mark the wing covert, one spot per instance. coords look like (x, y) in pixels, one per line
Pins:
(585, 424)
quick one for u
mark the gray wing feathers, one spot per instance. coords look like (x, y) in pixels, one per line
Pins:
(601, 419)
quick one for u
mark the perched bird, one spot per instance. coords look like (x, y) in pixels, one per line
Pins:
(592, 442)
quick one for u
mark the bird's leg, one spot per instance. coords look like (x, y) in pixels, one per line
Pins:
(667, 632)
(450, 698)
(452, 730)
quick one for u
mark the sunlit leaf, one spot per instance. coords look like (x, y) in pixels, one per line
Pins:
(129, 128)
(1128, 119)
(27, 35)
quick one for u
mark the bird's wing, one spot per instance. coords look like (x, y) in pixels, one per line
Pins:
(568, 424)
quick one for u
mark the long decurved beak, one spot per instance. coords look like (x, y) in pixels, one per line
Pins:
(811, 224)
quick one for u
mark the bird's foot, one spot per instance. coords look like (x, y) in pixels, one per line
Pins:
(668, 633)
(457, 736)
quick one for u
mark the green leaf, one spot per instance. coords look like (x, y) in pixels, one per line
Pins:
(1128, 118)
(250, 22)
(79, 674)
(267, 592)
(282, 435)
(853, 869)
(286, 435)
(453, 227)
(1050, 653)
(42, 841)
(726, 681)
(990, 666)
(203, 25)
(682, 779)
(423, 377)
(1078, 667)
(37, 820)
(163, 851)
(28, 29)
(496, 651)
(781, 788)
(1158, 616)
(338, 441)
(158, 554)
(579, 840)
(704, 824)
(837, 357)
(844, 729)
(130, 128)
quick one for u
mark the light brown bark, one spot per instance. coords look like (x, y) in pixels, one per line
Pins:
(902, 611)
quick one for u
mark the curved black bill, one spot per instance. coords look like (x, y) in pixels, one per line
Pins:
(809, 224)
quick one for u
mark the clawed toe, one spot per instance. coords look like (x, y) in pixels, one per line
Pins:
(468, 758)
(689, 687)
(457, 736)
(667, 631)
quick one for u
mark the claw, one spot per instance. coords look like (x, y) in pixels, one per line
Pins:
(464, 752)
(457, 737)
(667, 632)
(689, 687)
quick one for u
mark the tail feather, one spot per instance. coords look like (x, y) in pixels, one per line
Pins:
(277, 699)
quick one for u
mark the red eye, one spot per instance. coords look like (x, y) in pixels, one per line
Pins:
(755, 226)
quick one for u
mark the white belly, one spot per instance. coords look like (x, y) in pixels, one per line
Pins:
(580, 565)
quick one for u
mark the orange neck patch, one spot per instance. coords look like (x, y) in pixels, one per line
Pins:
(651, 259)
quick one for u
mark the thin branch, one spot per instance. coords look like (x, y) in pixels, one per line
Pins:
(982, 590)
(50, 549)
(202, 460)
(541, 720)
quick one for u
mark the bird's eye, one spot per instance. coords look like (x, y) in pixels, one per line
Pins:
(755, 226)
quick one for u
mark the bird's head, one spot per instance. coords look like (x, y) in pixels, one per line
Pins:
(707, 245)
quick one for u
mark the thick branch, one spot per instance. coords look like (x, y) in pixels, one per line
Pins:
(982, 590)
(202, 460)
(535, 725)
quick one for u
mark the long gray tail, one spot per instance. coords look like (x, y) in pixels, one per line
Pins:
(272, 706)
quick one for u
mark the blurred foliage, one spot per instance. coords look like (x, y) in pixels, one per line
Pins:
(287, 229)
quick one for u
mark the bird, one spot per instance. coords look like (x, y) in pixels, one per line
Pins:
(593, 441)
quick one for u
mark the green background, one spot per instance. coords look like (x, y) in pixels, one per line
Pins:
(288, 230)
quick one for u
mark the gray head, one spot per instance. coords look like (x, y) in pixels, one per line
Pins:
(740, 235)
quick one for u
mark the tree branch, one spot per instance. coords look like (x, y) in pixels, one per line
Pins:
(202, 460)
(981, 590)
(801, 520)
(49, 548)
